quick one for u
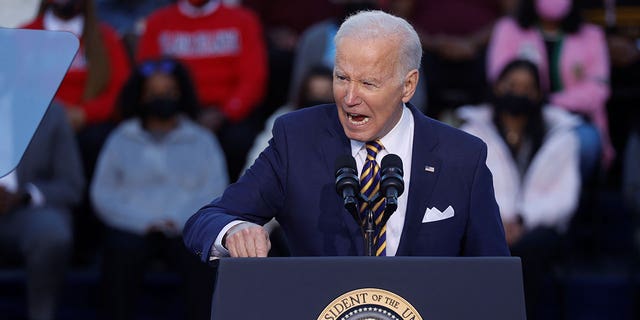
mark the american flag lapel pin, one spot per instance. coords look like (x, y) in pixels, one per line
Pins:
(429, 169)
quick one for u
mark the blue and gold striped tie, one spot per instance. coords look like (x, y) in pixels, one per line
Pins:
(369, 186)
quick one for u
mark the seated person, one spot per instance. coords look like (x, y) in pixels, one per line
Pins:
(36, 200)
(156, 168)
(573, 62)
(532, 152)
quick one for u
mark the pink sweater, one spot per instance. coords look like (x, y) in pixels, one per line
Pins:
(584, 69)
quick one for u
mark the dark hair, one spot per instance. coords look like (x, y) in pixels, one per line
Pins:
(98, 70)
(535, 128)
(129, 101)
(302, 96)
(527, 16)
(529, 66)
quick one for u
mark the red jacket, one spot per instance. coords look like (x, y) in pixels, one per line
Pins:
(224, 51)
(72, 87)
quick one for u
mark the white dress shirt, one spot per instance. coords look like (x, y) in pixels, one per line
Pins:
(398, 141)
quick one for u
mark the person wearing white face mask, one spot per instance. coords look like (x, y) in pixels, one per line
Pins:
(574, 66)
(89, 90)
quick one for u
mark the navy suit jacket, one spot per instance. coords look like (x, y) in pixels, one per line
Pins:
(293, 180)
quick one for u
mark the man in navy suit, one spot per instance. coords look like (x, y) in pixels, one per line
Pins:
(448, 207)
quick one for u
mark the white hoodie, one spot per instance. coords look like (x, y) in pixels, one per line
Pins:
(548, 192)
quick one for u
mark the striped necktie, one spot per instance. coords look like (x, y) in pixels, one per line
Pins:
(369, 187)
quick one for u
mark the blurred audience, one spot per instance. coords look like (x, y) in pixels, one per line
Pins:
(35, 210)
(283, 22)
(454, 35)
(126, 17)
(90, 88)
(156, 169)
(224, 49)
(631, 179)
(574, 66)
(316, 47)
(533, 156)
(621, 19)
(88, 93)
(317, 88)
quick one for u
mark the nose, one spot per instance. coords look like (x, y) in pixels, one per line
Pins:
(352, 96)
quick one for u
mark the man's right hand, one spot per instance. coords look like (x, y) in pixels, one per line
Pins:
(247, 240)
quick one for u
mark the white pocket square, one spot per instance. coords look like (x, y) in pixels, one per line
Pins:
(433, 214)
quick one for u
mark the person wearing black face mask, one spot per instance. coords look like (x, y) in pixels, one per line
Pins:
(533, 156)
(67, 9)
(157, 167)
(162, 108)
(223, 48)
(516, 105)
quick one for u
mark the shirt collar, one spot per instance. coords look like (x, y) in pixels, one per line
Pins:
(392, 140)
(194, 12)
(73, 25)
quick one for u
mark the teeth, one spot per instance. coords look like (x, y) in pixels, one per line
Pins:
(361, 122)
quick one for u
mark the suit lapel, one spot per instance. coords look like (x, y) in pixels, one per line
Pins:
(336, 144)
(425, 170)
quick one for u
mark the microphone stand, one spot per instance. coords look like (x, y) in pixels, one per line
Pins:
(368, 230)
(368, 226)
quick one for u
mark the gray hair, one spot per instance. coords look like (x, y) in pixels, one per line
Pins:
(376, 24)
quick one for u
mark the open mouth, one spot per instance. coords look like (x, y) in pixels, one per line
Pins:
(357, 119)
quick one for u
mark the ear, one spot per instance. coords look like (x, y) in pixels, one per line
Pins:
(409, 85)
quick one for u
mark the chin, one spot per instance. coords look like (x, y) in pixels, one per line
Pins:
(359, 136)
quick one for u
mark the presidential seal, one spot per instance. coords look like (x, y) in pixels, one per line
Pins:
(369, 304)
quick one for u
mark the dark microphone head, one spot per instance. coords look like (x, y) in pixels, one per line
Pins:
(392, 161)
(345, 161)
(346, 174)
(348, 184)
(391, 173)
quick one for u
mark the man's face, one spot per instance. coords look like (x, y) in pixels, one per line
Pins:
(367, 87)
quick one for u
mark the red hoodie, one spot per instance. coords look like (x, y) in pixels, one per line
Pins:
(72, 87)
(224, 52)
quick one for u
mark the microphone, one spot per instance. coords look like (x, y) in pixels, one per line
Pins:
(391, 183)
(348, 184)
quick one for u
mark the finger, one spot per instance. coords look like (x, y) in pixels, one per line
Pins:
(234, 243)
(250, 235)
(240, 240)
(263, 245)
